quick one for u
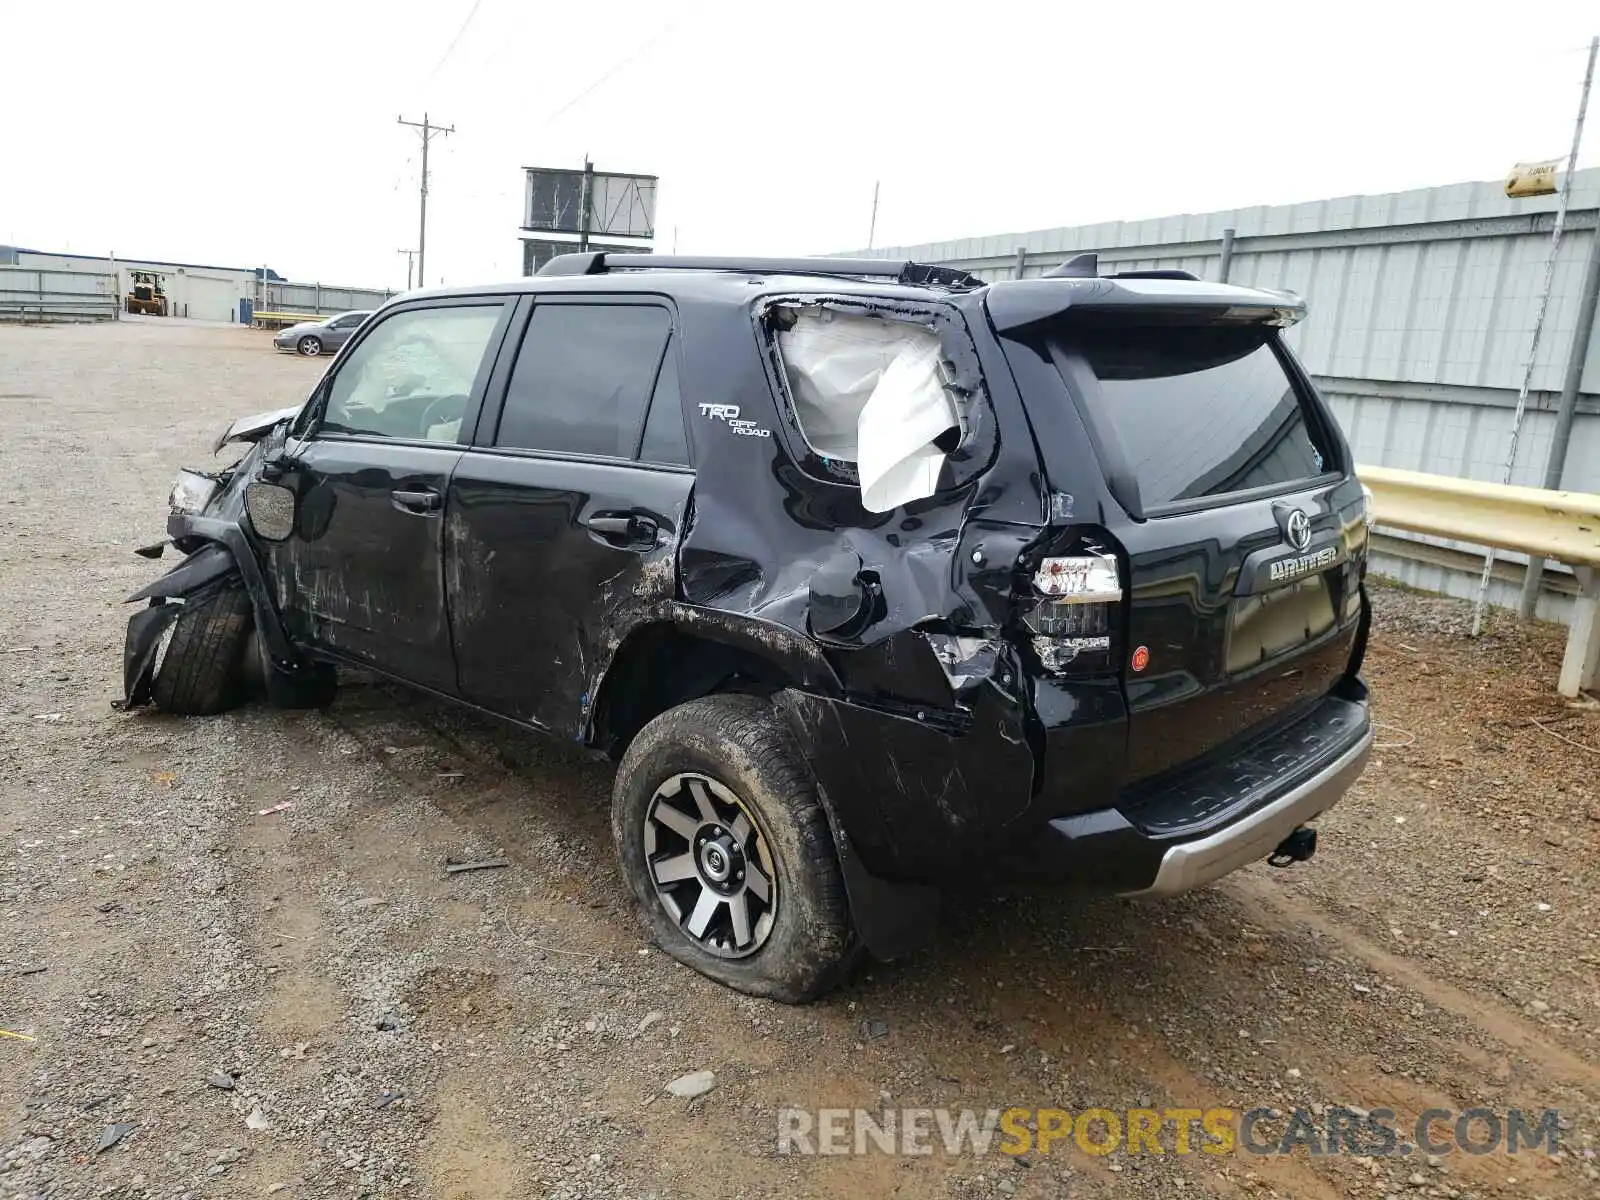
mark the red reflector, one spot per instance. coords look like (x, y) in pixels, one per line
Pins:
(1141, 658)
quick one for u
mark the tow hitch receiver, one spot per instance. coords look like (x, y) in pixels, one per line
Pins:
(1297, 847)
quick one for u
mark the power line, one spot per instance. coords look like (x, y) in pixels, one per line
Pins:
(429, 131)
(450, 49)
(614, 68)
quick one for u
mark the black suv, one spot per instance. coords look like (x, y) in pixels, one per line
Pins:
(872, 576)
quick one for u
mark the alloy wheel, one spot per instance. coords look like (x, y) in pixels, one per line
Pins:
(711, 865)
(310, 347)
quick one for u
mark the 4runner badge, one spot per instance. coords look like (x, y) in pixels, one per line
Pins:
(730, 414)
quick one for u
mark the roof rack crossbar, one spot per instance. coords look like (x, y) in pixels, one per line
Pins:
(599, 262)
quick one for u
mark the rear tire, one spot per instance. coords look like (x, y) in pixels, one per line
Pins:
(740, 745)
(310, 346)
(202, 671)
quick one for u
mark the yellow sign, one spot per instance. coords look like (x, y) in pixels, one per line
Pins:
(1532, 178)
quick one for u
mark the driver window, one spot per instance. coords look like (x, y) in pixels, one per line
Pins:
(411, 377)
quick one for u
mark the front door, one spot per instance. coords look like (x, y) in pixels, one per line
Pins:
(563, 520)
(362, 576)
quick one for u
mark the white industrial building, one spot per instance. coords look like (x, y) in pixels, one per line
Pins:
(204, 293)
(91, 287)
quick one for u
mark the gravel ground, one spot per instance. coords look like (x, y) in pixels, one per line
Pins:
(301, 1002)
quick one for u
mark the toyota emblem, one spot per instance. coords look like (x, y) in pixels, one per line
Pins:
(1298, 529)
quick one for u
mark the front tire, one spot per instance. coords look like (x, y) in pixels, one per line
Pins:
(726, 848)
(202, 671)
(310, 346)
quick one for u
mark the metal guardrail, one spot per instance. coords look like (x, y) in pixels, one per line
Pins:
(1564, 526)
(280, 320)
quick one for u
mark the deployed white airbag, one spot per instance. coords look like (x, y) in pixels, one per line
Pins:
(871, 391)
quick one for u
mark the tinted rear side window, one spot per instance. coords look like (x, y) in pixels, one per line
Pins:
(582, 378)
(1200, 411)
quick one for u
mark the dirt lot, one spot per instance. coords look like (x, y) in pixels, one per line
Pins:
(396, 1031)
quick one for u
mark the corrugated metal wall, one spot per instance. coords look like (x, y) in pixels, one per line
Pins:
(211, 293)
(1421, 305)
(27, 294)
(321, 298)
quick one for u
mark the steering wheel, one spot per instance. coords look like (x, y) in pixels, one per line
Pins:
(430, 418)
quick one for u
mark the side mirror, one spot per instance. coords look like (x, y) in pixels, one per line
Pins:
(271, 510)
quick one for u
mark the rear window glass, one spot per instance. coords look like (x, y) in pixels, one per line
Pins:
(1200, 410)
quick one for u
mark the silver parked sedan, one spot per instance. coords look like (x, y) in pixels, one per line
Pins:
(312, 338)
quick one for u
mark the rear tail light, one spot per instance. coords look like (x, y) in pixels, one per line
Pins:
(1071, 613)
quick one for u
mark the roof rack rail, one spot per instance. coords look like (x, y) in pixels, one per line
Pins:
(600, 262)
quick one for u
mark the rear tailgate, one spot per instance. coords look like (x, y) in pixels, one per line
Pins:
(1229, 494)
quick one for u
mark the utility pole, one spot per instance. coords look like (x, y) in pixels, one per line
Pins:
(586, 205)
(1576, 356)
(1538, 328)
(410, 255)
(429, 131)
(872, 229)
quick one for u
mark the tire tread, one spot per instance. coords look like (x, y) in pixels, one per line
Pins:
(201, 672)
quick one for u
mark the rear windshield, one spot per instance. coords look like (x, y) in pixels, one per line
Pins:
(1200, 410)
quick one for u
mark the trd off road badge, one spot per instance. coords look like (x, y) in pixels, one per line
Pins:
(730, 414)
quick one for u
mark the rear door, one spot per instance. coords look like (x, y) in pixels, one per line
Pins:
(1240, 523)
(563, 518)
(363, 574)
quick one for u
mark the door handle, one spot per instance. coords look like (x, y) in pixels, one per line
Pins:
(417, 502)
(633, 528)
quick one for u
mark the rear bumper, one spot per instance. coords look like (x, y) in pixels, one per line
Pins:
(1204, 820)
(1196, 863)
(919, 805)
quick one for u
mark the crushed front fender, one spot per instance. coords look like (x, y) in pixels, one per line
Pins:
(210, 562)
(139, 647)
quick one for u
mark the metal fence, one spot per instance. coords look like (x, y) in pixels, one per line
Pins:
(27, 294)
(1421, 305)
(322, 299)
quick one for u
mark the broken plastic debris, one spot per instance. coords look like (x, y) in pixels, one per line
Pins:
(276, 808)
(48, 716)
(963, 659)
(873, 1029)
(257, 1120)
(21, 1037)
(221, 1080)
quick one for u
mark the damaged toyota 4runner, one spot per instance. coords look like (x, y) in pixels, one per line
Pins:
(871, 577)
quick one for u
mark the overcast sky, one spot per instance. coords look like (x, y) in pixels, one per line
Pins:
(240, 134)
